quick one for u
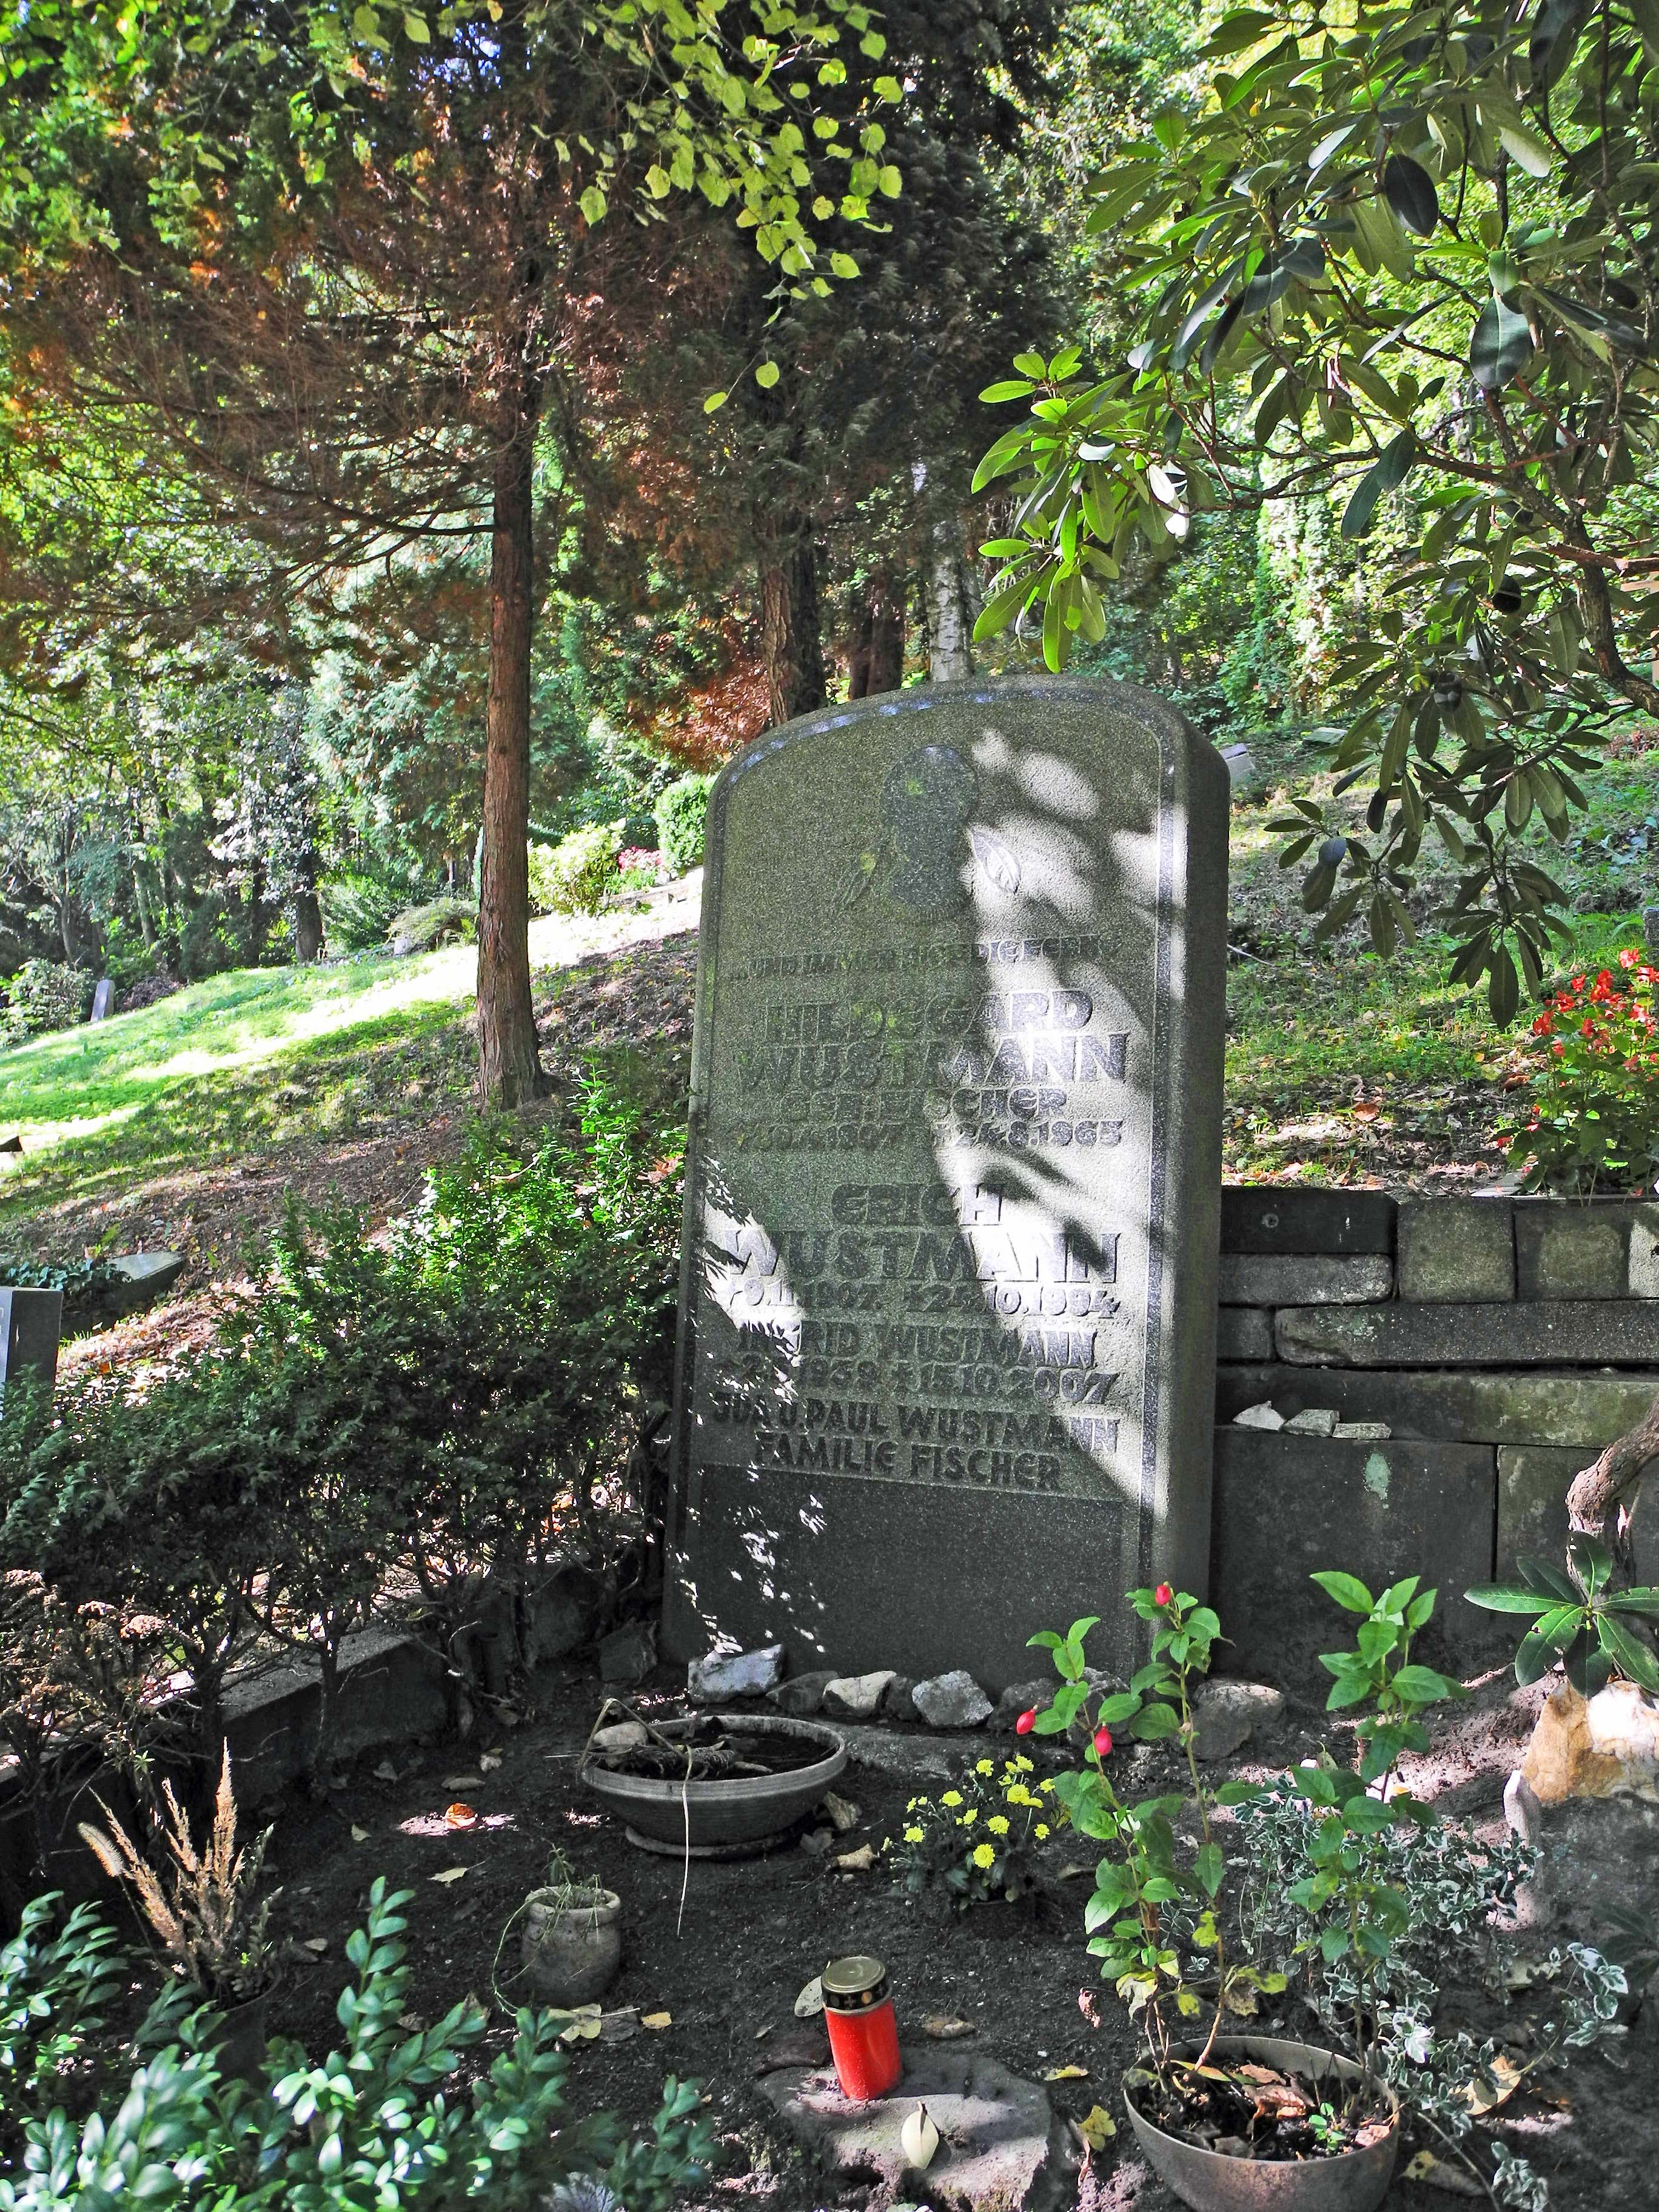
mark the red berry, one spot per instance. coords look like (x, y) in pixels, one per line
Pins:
(1162, 1595)
(1026, 1723)
(1102, 1741)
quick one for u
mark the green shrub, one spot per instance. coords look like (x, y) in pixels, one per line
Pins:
(379, 1425)
(1590, 1120)
(577, 875)
(682, 817)
(439, 921)
(389, 2119)
(45, 995)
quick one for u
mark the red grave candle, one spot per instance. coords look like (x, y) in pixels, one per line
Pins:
(858, 2010)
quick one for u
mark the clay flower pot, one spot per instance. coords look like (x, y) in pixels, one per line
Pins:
(572, 1943)
(1351, 2181)
(730, 1818)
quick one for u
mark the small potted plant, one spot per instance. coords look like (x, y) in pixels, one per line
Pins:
(213, 1931)
(1230, 2118)
(572, 1943)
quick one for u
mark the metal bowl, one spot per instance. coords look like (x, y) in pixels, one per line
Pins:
(1352, 2181)
(747, 1812)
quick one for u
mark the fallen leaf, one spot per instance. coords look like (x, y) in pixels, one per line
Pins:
(462, 1781)
(618, 2026)
(761, 2033)
(450, 1873)
(1364, 1111)
(317, 1943)
(579, 2023)
(1483, 2097)
(1073, 1873)
(1435, 2173)
(1088, 2003)
(816, 1842)
(385, 1772)
(1097, 2127)
(358, 1835)
(945, 2027)
(489, 1762)
(843, 1815)
(810, 1999)
(414, 2022)
(1067, 2073)
(656, 2021)
(1239, 1998)
(858, 1862)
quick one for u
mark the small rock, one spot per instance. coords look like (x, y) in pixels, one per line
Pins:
(801, 1696)
(897, 1699)
(722, 1674)
(817, 1843)
(630, 1653)
(946, 2028)
(1313, 1421)
(623, 1735)
(952, 1700)
(1224, 1713)
(855, 1697)
(1021, 1698)
(1258, 1417)
(1370, 1432)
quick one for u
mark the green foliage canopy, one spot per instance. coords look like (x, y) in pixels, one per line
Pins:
(1402, 254)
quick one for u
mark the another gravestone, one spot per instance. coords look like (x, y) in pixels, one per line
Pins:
(103, 1000)
(31, 1322)
(948, 1312)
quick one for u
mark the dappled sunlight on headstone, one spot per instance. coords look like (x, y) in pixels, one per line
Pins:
(950, 1297)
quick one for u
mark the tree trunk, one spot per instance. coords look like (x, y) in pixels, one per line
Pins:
(790, 641)
(509, 1067)
(875, 659)
(950, 658)
(1610, 1485)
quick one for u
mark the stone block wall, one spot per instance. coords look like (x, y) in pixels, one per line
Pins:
(1443, 1366)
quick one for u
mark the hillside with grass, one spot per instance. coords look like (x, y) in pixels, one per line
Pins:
(186, 1123)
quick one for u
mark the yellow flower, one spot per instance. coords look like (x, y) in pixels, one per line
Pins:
(1019, 1795)
(984, 1767)
(1041, 1832)
(913, 1835)
(1047, 1785)
(1022, 1764)
(968, 1819)
(984, 1856)
(997, 1825)
(911, 1807)
(951, 1797)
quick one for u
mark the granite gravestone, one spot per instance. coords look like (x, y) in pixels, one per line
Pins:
(948, 1308)
(31, 1322)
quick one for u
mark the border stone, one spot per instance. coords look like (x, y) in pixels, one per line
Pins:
(1599, 1247)
(1456, 1249)
(1260, 1218)
(392, 1691)
(1004, 2149)
(1533, 1406)
(1532, 1506)
(1287, 1506)
(1309, 1279)
(1244, 1332)
(1545, 1332)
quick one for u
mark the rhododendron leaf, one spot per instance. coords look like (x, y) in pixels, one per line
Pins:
(1506, 1597)
(1634, 1658)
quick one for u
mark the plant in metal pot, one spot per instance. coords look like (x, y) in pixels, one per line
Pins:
(1158, 1924)
(1371, 1906)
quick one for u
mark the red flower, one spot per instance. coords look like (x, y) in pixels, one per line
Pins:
(1162, 1595)
(1629, 956)
(1559, 1050)
(1026, 1723)
(1103, 1742)
(1577, 982)
(1543, 1025)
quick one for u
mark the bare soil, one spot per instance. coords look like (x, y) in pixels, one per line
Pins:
(723, 1948)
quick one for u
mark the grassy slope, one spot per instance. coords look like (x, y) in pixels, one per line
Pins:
(177, 1122)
